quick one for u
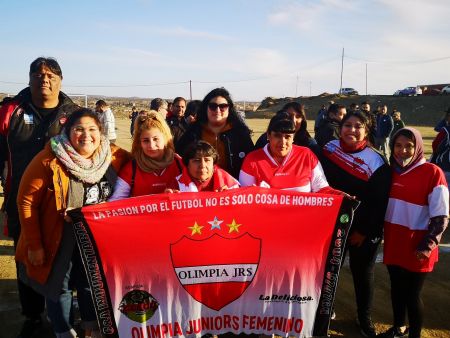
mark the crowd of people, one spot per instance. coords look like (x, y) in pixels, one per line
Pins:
(56, 156)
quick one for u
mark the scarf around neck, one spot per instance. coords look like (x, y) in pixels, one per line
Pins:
(150, 165)
(88, 170)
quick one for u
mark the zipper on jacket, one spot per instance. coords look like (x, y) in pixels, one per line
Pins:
(63, 202)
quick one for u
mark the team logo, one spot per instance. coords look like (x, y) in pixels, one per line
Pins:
(212, 276)
(344, 218)
(138, 305)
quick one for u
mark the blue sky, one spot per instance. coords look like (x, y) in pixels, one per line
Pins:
(253, 48)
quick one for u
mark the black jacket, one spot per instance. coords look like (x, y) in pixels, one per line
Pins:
(237, 140)
(23, 133)
(327, 130)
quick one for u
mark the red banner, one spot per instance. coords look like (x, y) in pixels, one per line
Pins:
(247, 260)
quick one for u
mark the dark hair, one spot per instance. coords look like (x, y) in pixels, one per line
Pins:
(281, 122)
(233, 117)
(334, 108)
(365, 120)
(365, 102)
(200, 149)
(157, 103)
(101, 103)
(78, 114)
(302, 135)
(49, 62)
(192, 108)
(177, 99)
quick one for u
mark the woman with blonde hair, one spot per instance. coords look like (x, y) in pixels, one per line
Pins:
(154, 162)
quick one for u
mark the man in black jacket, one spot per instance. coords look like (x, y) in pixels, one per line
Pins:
(328, 128)
(27, 122)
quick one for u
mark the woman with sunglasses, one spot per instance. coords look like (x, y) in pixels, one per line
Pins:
(219, 124)
(154, 163)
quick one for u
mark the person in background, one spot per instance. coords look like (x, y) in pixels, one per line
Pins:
(328, 129)
(416, 217)
(353, 107)
(353, 166)
(177, 122)
(365, 108)
(27, 122)
(219, 124)
(441, 151)
(445, 122)
(201, 172)
(160, 105)
(398, 122)
(191, 111)
(132, 116)
(282, 165)
(296, 112)
(384, 129)
(76, 168)
(321, 114)
(107, 119)
(155, 163)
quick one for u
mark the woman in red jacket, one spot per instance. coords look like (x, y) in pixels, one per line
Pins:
(415, 219)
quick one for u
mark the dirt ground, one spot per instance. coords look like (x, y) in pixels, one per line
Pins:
(436, 293)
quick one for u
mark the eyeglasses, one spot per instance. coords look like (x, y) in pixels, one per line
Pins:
(213, 106)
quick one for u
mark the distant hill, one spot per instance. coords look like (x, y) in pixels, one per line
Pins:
(415, 110)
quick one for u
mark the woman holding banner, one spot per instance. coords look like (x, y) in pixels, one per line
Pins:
(282, 165)
(201, 172)
(411, 243)
(76, 168)
(155, 163)
(353, 166)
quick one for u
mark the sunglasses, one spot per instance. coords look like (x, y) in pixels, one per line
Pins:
(213, 106)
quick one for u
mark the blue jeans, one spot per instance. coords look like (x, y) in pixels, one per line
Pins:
(61, 312)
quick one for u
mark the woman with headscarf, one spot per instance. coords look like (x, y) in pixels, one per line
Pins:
(416, 217)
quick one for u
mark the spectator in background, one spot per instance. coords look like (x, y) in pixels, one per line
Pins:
(160, 105)
(219, 124)
(365, 108)
(321, 114)
(384, 129)
(328, 129)
(132, 116)
(107, 119)
(27, 122)
(353, 107)
(296, 112)
(177, 123)
(191, 111)
(445, 122)
(398, 123)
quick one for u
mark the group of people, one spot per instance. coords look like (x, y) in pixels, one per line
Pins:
(58, 157)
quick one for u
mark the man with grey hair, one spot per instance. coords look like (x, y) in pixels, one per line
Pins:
(160, 105)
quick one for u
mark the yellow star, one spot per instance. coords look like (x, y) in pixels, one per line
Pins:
(233, 226)
(196, 229)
